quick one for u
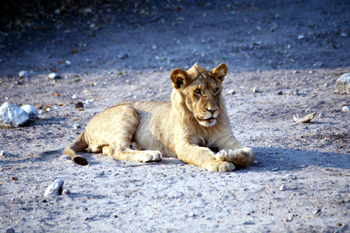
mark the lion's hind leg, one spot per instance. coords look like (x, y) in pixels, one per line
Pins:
(121, 147)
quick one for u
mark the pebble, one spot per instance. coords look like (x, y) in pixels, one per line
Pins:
(54, 76)
(255, 90)
(12, 115)
(76, 126)
(231, 92)
(87, 102)
(317, 211)
(345, 109)
(68, 63)
(293, 92)
(55, 188)
(342, 85)
(79, 105)
(301, 37)
(74, 97)
(10, 230)
(124, 56)
(154, 46)
(280, 93)
(32, 111)
(5, 153)
(321, 115)
(283, 187)
(23, 74)
(290, 176)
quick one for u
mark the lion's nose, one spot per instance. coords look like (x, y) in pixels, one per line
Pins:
(211, 110)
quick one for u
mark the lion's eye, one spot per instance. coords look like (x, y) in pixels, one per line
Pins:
(197, 92)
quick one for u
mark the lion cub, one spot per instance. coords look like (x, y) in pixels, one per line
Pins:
(190, 127)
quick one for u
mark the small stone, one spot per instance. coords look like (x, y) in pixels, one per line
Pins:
(255, 90)
(154, 46)
(23, 74)
(76, 126)
(79, 105)
(5, 153)
(87, 102)
(231, 92)
(10, 230)
(48, 109)
(12, 115)
(295, 72)
(283, 187)
(290, 176)
(55, 188)
(66, 192)
(124, 56)
(301, 37)
(342, 85)
(308, 110)
(317, 211)
(54, 76)
(289, 219)
(68, 63)
(280, 93)
(343, 34)
(74, 97)
(32, 111)
(345, 109)
(88, 60)
(321, 115)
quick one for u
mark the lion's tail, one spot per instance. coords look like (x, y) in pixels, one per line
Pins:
(79, 144)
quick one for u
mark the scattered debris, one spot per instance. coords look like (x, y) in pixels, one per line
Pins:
(12, 115)
(305, 119)
(32, 111)
(55, 188)
(342, 85)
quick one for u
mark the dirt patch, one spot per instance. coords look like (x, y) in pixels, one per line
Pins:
(126, 50)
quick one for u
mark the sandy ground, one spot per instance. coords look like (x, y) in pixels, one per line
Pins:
(259, 43)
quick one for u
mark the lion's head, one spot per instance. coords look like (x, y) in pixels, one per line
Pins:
(200, 91)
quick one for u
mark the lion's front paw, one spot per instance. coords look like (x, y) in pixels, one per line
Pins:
(151, 156)
(221, 167)
(242, 157)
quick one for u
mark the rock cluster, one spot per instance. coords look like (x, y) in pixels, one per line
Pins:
(15, 116)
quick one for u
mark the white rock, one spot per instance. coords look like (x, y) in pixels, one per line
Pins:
(290, 176)
(301, 37)
(12, 115)
(342, 86)
(255, 90)
(68, 63)
(32, 112)
(5, 153)
(76, 126)
(231, 92)
(321, 115)
(23, 74)
(87, 102)
(55, 188)
(54, 76)
(283, 187)
(345, 109)
(74, 97)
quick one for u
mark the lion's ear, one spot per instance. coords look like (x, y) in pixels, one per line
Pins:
(178, 78)
(220, 71)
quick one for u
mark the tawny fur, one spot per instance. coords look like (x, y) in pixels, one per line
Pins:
(190, 127)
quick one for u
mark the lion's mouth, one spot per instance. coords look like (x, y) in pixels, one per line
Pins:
(211, 119)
